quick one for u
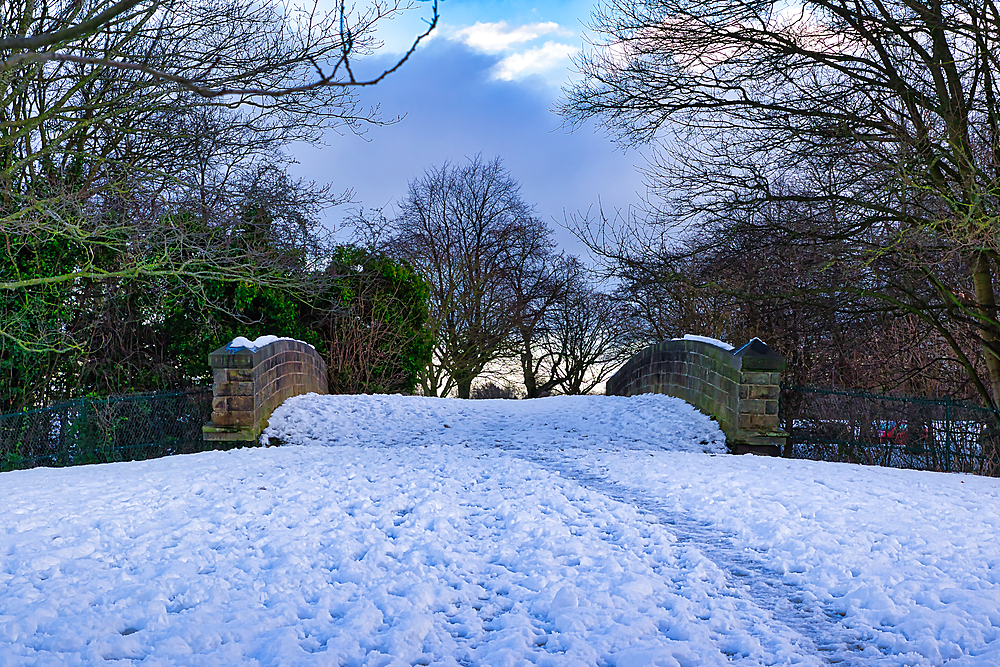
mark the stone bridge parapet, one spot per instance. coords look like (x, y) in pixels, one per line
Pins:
(250, 382)
(738, 388)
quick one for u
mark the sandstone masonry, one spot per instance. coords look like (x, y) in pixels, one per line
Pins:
(739, 388)
(248, 385)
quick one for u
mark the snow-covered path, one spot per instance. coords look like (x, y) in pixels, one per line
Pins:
(565, 531)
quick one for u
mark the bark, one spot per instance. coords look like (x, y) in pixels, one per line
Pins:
(528, 370)
(982, 274)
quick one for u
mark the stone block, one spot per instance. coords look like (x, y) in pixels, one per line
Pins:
(757, 422)
(225, 358)
(754, 377)
(757, 356)
(223, 418)
(757, 450)
(239, 375)
(766, 391)
(239, 403)
(777, 437)
(232, 389)
(266, 377)
(213, 434)
(282, 381)
(232, 418)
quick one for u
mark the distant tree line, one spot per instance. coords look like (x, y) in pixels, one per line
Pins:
(500, 293)
(365, 314)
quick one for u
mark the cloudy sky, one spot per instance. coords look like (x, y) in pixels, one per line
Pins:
(485, 83)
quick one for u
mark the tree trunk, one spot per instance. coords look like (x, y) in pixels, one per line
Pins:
(465, 388)
(528, 370)
(986, 301)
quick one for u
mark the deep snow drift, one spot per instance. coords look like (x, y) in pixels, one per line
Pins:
(561, 531)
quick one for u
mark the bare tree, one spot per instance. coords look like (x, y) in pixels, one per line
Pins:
(823, 306)
(879, 120)
(537, 284)
(584, 335)
(592, 341)
(469, 233)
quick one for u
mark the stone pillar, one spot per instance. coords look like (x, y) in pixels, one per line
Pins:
(758, 429)
(232, 397)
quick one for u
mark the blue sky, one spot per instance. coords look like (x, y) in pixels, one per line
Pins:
(485, 83)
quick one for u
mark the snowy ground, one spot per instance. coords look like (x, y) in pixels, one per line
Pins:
(561, 531)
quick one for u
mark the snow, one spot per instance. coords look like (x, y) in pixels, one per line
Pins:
(711, 341)
(590, 530)
(259, 342)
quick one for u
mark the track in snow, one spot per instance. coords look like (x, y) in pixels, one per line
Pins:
(823, 634)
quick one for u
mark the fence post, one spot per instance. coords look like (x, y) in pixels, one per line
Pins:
(947, 433)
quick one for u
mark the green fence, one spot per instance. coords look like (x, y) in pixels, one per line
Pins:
(101, 430)
(893, 431)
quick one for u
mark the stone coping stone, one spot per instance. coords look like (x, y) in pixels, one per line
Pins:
(754, 356)
(245, 358)
(757, 356)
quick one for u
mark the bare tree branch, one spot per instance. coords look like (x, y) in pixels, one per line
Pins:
(323, 79)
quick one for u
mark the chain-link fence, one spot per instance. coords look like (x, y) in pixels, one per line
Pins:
(101, 430)
(898, 432)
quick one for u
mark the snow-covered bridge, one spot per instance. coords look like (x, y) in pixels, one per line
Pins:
(564, 531)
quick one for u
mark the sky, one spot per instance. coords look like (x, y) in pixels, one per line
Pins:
(486, 82)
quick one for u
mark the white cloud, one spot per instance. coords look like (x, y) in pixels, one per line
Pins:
(539, 60)
(520, 59)
(499, 37)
